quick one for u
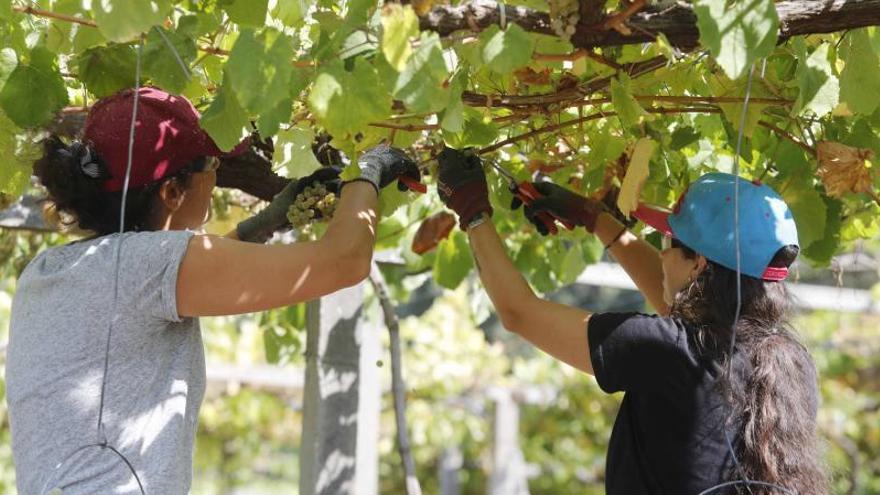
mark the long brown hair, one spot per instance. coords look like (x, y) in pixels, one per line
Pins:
(775, 400)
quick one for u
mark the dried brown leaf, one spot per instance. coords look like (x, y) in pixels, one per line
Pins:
(843, 168)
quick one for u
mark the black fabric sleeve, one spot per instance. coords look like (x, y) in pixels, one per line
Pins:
(632, 351)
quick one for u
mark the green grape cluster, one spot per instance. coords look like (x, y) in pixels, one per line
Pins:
(315, 202)
(564, 16)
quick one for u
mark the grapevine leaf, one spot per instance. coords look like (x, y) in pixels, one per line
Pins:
(6, 9)
(683, 136)
(628, 109)
(478, 131)
(453, 115)
(345, 102)
(8, 61)
(505, 50)
(33, 92)
(225, 120)
(270, 121)
(572, 265)
(808, 209)
(420, 85)
(160, 60)
(453, 261)
(86, 38)
(399, 23)
(271, 345)
(721, 86)
(123, 20)
(351, 172)
(107, 69)
(822, 250)
(259, 69)
(19, 155)
(390, 199)
(860, 79)
(248, 12)
(739, 34)
(293, 155)
(819, 87)
(290, 12)
(636, 175)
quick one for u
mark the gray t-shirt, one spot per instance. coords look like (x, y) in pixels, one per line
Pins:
(156, 375)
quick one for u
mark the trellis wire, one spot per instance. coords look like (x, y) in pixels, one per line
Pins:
(103, 442)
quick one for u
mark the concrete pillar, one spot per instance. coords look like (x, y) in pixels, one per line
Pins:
(339, 451)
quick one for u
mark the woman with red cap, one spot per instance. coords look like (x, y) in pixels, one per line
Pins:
(106, 372)
(698, 416)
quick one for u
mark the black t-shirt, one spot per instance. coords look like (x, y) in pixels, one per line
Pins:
(668, 437)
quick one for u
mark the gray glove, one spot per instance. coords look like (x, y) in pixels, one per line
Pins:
(383, 165)
(260, 227)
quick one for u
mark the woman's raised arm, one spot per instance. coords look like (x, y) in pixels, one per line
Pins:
(221, 276)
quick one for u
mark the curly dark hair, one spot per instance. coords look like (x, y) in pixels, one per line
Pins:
(774, 402)
(77, 199)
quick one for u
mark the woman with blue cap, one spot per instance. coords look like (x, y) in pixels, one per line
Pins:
(698, 415)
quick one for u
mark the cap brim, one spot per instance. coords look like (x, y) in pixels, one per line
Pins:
(655, 217)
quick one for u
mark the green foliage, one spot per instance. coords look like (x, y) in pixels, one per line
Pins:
(505, 50)
(293, 155)
(260, 73)
(162, 50)
(34, 90)
(345, 102)
(453, 261)
(819, 88)
(106, 69)
(123, 20)
(399, 24)
(248, 12)
(420, 84)
(225, 120)
(738, 33)
(365, 73)
(860, 79)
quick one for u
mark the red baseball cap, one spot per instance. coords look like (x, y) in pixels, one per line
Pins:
(167, 136)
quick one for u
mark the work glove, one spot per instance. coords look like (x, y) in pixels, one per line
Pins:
(561, 203)
(260, 227)
(383, 165)
(461, 184)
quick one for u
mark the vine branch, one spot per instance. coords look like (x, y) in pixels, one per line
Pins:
(678, 23)
(398, 387)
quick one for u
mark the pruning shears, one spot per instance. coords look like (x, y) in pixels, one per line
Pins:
(412, 184)
(527, 193)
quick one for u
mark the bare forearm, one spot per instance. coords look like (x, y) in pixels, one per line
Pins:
(639, 259)
(353, 226)
(506, 287)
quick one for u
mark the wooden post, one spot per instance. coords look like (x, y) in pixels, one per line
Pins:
(509, 473)
(338, 454)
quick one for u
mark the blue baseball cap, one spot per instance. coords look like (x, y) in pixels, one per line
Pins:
(703, 220)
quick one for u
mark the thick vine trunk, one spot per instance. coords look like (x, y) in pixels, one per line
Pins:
(677, 22)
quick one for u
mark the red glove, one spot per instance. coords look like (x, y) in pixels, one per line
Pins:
(461, 184)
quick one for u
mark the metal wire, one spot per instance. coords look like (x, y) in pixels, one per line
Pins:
(744, 479)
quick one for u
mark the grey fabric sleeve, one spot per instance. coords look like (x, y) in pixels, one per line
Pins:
(149, 266)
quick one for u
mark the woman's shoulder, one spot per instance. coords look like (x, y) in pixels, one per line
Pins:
(92, 253)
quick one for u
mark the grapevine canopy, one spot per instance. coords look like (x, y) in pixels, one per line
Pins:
(562, 88)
